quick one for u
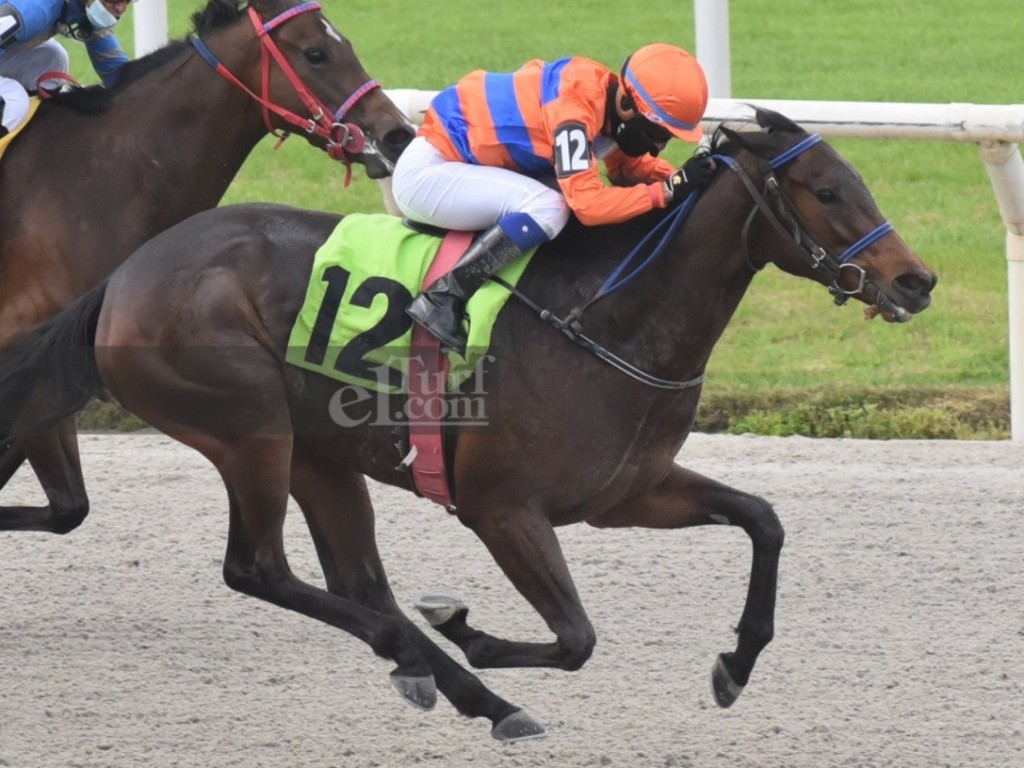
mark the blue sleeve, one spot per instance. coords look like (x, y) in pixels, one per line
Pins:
(38, 17)
(106, 55)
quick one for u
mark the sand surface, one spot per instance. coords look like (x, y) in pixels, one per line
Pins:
(899, 630)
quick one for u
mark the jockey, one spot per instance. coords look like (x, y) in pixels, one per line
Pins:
(513, 154)
(27, 49)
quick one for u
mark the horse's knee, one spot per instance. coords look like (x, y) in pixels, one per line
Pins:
(67, 518)
(577, 649)
(765, 528)
(773, 535)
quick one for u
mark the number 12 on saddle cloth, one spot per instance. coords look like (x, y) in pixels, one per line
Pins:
(352, 326)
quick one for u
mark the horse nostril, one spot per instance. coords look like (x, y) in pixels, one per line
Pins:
(915, 285)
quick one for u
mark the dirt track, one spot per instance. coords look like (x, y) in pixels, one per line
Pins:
(899, 631)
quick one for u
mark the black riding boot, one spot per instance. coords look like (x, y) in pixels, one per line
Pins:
(3, 131)
(439, 309)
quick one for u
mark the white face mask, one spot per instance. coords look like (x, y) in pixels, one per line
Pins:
(99, 16)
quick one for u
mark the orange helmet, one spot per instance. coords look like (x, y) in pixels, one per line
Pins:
(668, 87)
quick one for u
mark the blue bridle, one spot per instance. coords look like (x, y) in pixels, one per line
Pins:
(818, 254)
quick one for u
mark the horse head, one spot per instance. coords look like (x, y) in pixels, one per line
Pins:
(831, 228)
(308, 78)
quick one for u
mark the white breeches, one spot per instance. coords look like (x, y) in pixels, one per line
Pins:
(434, 190)
(19, 73)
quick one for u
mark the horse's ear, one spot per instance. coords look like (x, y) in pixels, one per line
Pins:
(774, 121)
(758, 142)
(214, 14)
(723, 134)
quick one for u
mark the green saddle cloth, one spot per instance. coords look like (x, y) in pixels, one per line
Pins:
(352, 326)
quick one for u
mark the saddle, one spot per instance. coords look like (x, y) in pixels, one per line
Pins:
(6, 139)
(352, 327)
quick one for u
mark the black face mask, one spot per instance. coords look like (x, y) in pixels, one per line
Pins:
(639, 136)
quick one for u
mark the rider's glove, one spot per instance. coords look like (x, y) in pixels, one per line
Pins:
(696, 173)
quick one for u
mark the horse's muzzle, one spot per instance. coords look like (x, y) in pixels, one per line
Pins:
(909, 294)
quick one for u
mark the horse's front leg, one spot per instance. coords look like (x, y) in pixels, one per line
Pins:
(523, 543)
(685, 498)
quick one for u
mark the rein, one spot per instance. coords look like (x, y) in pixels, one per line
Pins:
(44, 93)
(571, 325)
(343, 139)
(572, 329)
(819, 255)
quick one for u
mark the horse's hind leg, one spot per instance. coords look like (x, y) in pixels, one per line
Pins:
(684, 499)
(12, 456)
(256, 471)
(340, 517)
(54, 459)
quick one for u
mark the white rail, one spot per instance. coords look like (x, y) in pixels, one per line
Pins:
(150, 26)
(998, 130)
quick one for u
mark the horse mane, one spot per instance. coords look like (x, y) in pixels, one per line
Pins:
(217, 13)
(97, 98)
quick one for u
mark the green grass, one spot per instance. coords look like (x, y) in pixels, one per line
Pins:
(788, 346)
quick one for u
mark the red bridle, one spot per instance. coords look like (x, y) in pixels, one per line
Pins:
(343, 139)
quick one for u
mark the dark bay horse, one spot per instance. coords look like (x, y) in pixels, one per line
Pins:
(191, 335)
(100, 171)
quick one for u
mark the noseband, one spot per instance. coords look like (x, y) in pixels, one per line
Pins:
(343, 139)
(784, 216)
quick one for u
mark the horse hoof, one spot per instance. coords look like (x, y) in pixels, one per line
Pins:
(726, 689)
(420, 692)
(439, 607)
(518, 726)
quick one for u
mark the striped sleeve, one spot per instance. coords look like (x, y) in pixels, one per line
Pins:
(106, 55)
(37, 17)
(624, 170)
(583, 98)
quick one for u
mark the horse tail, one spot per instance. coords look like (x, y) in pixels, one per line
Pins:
(49, 372)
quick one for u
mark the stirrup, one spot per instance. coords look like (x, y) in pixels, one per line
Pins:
(440, 321)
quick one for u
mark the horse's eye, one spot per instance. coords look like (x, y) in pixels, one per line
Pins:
(826, 195)
(316, 56)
